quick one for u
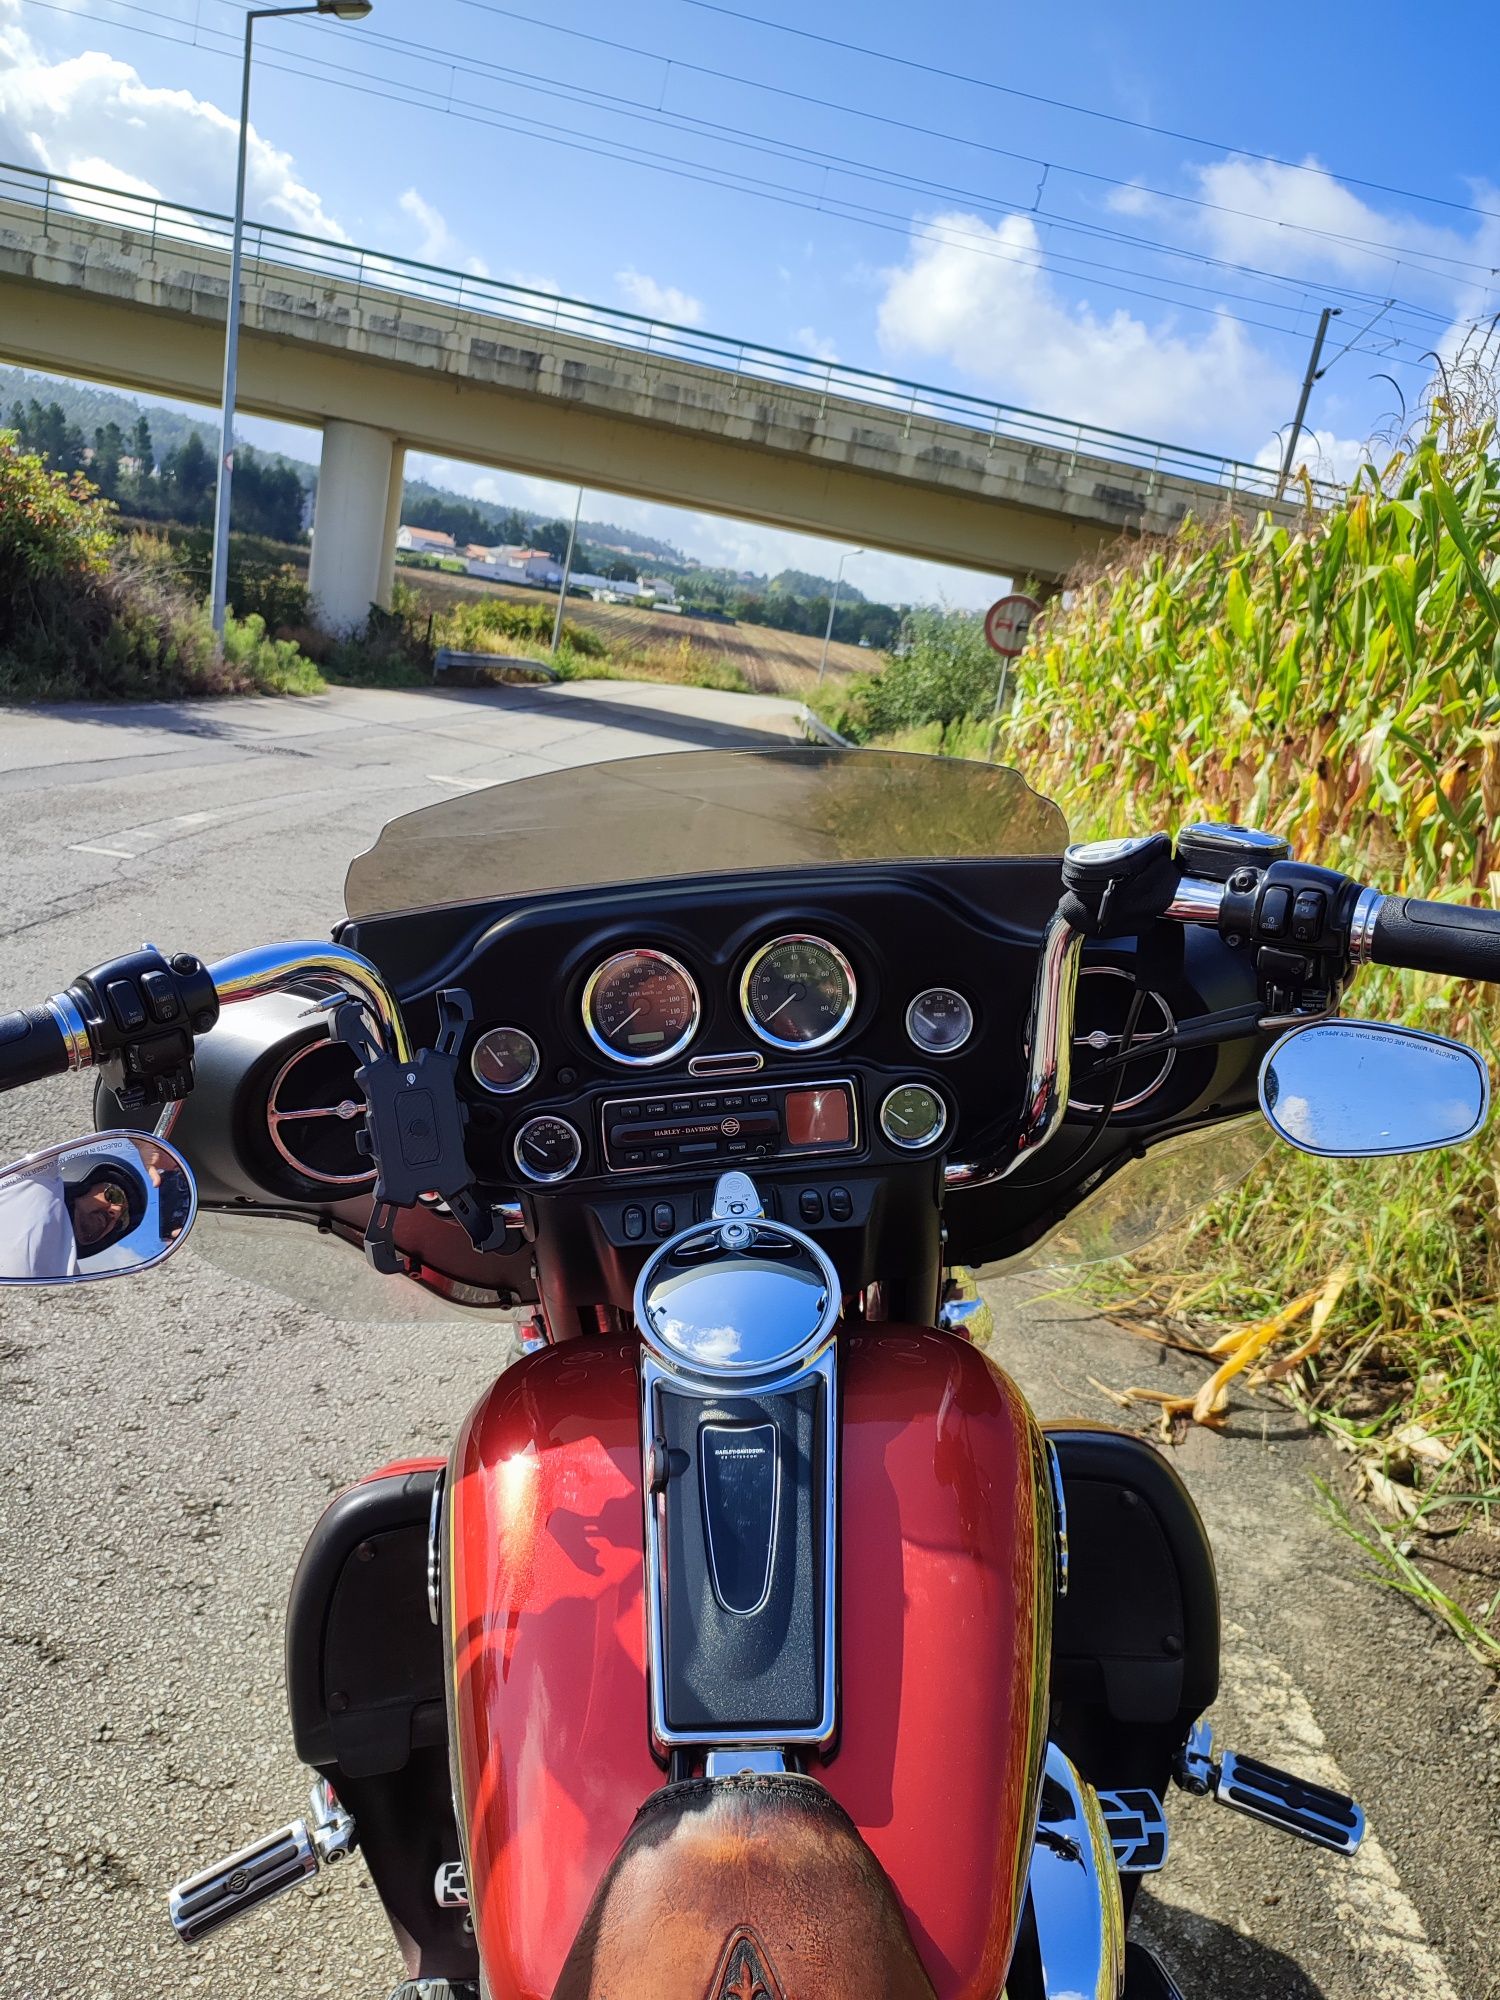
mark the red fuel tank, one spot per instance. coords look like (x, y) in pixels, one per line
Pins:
(945, 1598)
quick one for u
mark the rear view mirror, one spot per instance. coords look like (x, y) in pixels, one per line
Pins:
(1351, 1090)
(101, 1207)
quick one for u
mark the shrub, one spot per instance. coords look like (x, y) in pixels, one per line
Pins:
(86, 616)
(944, 673)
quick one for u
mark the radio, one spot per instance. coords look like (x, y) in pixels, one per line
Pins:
(773, 1121)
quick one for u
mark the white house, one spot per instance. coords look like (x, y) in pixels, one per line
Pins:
(424, 541)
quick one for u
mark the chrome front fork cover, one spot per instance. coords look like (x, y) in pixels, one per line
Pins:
(1075, 1890)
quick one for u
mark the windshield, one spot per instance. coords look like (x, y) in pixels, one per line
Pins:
(699, 812)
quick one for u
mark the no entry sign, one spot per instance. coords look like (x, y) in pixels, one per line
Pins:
(1007, 623)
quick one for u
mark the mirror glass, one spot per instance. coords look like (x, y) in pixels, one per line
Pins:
(1352, 1090)
(99, 1207)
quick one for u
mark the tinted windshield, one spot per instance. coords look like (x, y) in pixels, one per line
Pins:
(700, 812)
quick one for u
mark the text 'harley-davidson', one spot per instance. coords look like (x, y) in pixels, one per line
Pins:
(754, 1639)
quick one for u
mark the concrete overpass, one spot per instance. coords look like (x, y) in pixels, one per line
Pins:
(381, 353)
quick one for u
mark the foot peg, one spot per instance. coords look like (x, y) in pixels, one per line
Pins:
(233, 1887)
(1137, 1830)
(1277, 1798)
(450, 1886)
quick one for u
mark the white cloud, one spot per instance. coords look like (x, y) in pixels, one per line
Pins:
(812, 342)
(977, 296)
(1325, 454)
(438, 243)
(658, 301)
(91, 117)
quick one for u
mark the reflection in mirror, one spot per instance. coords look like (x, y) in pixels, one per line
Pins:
(1350, 1090)
(100, 1207)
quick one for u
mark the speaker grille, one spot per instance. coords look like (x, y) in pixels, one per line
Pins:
(314, 1111)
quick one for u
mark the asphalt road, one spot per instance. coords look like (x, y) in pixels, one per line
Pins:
(166, 1446)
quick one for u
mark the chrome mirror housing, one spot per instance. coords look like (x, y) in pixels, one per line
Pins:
(1355, 1090)
(102, 1207)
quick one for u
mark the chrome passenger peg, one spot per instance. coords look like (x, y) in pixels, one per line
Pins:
(1277, 1798)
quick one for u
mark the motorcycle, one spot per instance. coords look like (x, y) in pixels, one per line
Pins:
(754, 1640)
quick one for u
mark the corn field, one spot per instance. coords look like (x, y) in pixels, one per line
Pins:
(1337, 683)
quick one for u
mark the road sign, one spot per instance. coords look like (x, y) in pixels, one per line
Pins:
(1007, 623)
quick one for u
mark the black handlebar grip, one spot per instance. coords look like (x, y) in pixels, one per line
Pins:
(1449, 938)
(31, 1047)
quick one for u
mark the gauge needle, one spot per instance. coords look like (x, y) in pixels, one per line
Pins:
(629, 1018)
(795, 994)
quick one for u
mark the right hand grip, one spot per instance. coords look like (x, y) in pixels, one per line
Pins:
(1449, 938)
(31, 1047)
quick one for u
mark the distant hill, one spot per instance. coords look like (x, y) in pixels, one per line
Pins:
(425, 505)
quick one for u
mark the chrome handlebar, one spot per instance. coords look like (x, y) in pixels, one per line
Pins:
(279, 968)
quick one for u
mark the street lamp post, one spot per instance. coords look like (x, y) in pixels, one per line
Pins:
(833, 608)
(343, 10)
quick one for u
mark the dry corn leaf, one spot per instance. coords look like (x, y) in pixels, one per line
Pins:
(1397, 1500)
(1420, 1443)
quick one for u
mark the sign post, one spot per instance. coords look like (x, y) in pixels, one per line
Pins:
(1006, 625)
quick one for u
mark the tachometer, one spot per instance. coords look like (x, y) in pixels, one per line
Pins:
(798, 992)
(641, 1007)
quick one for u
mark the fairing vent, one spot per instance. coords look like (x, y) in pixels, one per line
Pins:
(1105, 994)
(313, 1112)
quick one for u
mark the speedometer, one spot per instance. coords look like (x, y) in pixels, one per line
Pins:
(641, 1007)
(798, 992)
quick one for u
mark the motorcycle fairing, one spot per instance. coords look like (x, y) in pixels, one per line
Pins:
(944, 1604)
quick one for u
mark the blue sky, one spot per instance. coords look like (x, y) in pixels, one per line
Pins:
(1130, 262)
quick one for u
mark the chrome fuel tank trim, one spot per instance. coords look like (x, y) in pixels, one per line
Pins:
(1074, 1887)
(656, 1379)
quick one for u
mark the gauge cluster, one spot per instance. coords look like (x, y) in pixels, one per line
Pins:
(778, 995)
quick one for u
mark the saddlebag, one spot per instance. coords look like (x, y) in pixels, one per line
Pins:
(1135, 1642)
(365, 1685)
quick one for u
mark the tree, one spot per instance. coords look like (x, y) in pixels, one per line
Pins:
(553, 537)
(622, 572)
(266, 498)
(188, 474)
(141, 447)
(109, 448)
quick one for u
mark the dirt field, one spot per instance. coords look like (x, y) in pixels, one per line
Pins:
(772, 662)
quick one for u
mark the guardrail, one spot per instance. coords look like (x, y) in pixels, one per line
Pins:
(72, 207)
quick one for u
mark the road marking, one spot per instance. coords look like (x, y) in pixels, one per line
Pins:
(463, 784)
(114, 853)
(1379, 1918)
(193, 819)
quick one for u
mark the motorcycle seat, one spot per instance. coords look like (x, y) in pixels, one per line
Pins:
(731, 1887)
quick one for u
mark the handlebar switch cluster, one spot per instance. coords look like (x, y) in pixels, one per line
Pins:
(141, 1014)
(1296, 918)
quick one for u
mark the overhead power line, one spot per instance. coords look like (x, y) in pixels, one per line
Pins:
(362, 82)
(1083, 110)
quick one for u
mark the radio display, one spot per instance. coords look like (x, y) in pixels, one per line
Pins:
(734, 1123)
(817, 1118)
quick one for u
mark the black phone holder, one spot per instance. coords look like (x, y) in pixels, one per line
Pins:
(414, 1129)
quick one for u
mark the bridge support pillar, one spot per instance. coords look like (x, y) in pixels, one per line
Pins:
(354, 524)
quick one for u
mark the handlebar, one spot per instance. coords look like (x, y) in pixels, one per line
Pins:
(136, 1018)
(1450, 938)
(32, 1046)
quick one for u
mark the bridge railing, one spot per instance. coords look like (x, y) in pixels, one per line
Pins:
(203, 237)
